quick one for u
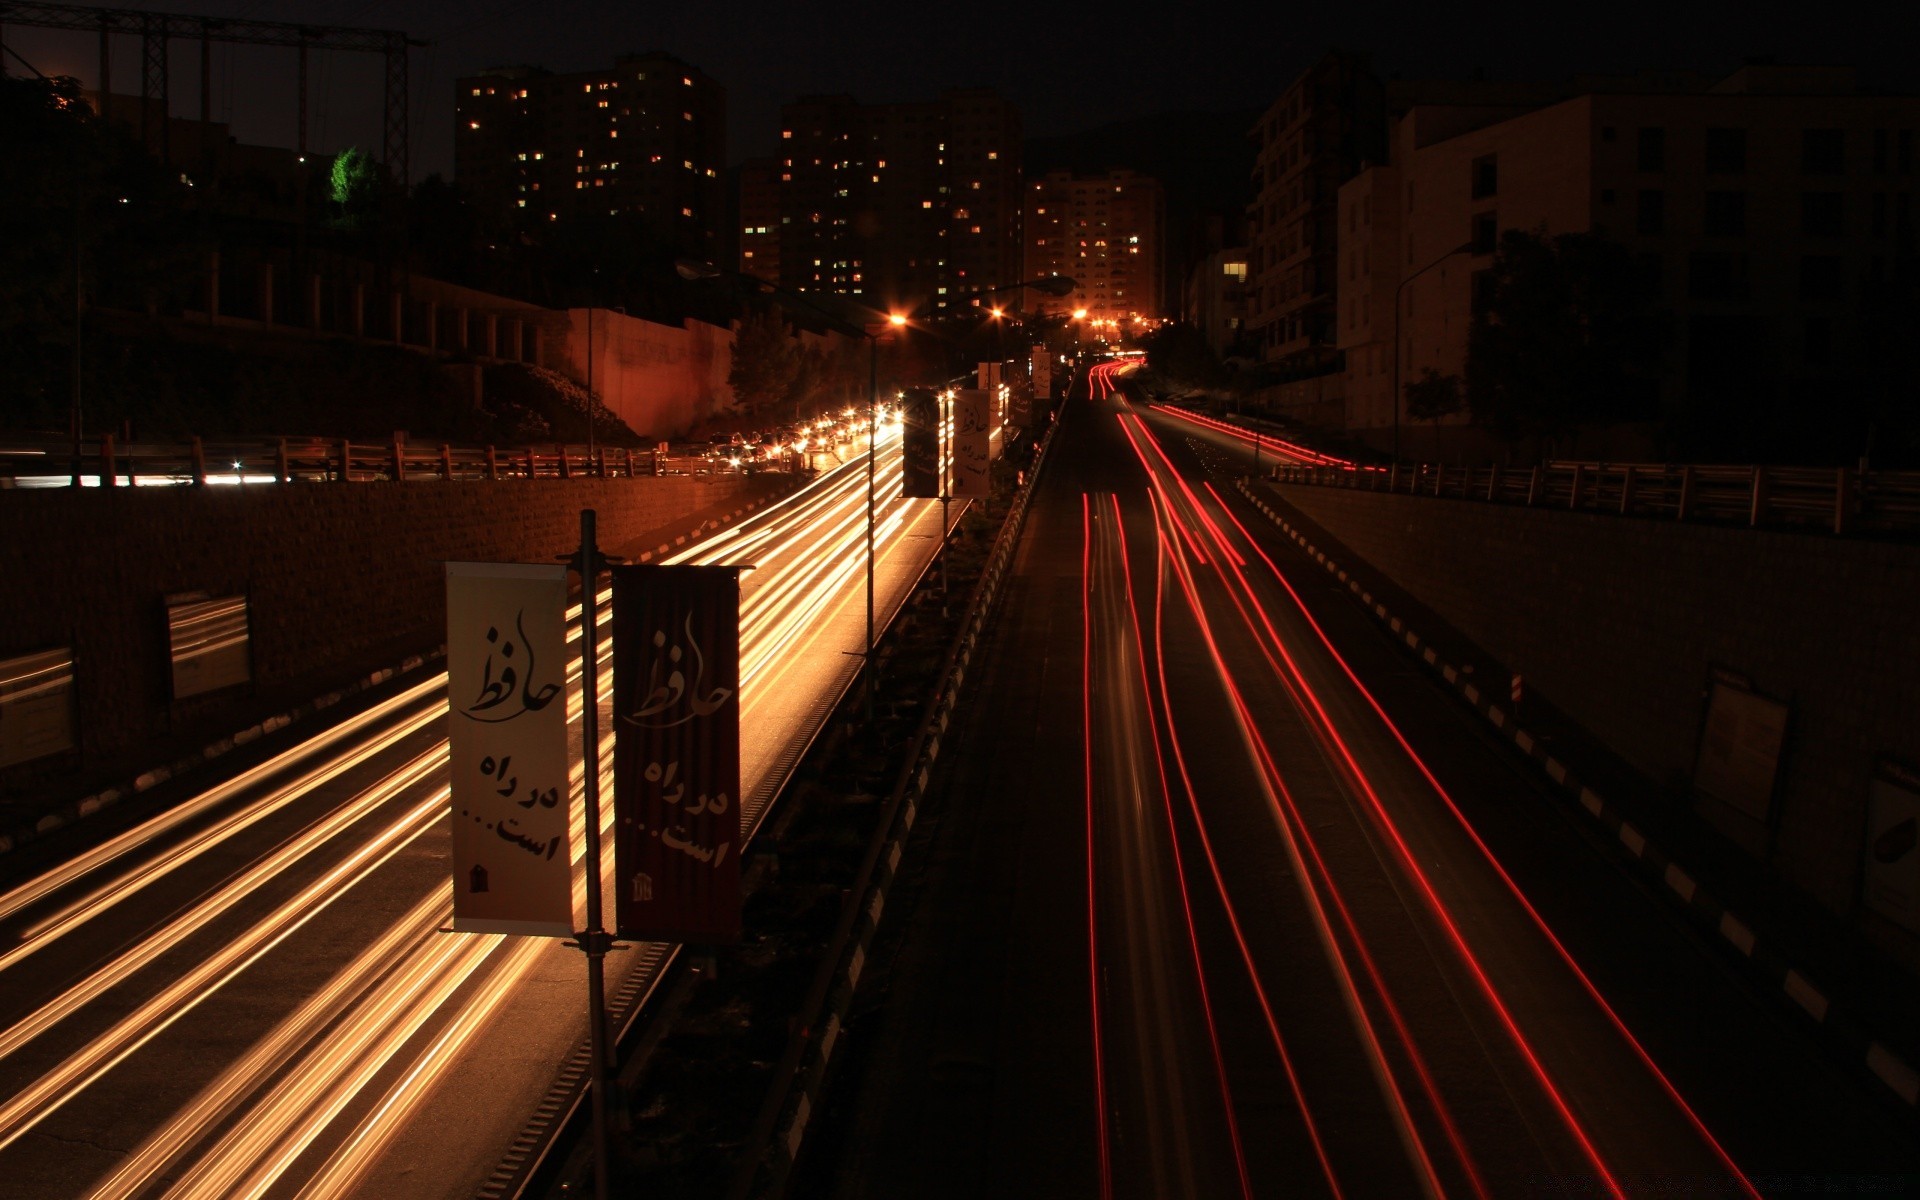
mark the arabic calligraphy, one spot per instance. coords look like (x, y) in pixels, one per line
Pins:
(507, 689)
(668, 684)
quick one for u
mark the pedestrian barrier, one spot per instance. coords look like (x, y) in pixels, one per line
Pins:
(1845, 500)
(105, 463)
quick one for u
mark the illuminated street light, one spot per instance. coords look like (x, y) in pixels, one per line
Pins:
(896, 319)
(1079, 314)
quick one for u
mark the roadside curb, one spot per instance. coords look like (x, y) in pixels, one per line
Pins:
(1845, 1033)
(71, 811)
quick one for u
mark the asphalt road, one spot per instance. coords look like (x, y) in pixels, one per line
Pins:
(1225, 898)
(248, 994)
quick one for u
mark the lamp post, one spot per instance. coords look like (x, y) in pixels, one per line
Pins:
(876, 324)
(1463, 248)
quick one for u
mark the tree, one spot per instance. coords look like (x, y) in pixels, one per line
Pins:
(765, 361)
(1433, 397)
(1566, 337)
(1179, 353)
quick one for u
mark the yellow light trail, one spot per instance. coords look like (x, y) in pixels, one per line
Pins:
(364, 1015)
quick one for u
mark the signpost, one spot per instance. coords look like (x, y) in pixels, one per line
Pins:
(507, 748)
(1042, 373)
(676, 753)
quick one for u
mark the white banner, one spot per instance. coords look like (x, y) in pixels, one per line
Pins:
(972, 443)
(507, 746)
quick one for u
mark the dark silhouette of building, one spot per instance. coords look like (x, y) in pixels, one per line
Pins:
(901, 205)
(645, 138)
(758, 225)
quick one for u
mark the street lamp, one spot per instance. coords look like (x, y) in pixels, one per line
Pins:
(1463, 248)
(692, 269)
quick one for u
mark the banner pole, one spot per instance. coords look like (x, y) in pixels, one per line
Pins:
(594, 940)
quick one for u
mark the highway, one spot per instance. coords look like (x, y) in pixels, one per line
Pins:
(1241, 904)
(251, 993)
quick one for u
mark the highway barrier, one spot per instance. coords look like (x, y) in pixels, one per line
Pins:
(780, 1130)
(104, 463)
(1842, 500)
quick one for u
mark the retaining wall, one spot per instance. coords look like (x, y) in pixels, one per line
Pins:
(1618, 621)
(339, 579)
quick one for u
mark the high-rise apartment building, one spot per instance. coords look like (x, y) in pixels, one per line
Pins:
(645, 138)
(758, 218)
(900, 205)
(1104, 231)
(1312, 139)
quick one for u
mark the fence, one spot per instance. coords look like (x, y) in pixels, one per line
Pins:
(1842, 499)
(101, 462)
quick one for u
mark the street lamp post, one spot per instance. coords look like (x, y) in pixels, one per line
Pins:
(1463, 248)
(695, 269)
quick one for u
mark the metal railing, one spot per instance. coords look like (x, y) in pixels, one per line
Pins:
(1842, 500)
(103, 463)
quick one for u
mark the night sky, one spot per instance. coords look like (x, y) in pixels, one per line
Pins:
(1069, 67)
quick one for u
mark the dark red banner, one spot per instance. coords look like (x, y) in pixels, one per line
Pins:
(920, 444)
(676, 753)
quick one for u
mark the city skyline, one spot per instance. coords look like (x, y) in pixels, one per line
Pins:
(1220, 58)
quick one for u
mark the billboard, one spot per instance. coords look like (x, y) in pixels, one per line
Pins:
(972, 443)
(207, 640)
(36, 705)
(507, 750)
(1740, 746)
(1893, 844)
(920, 444)
(1042, 373)
(676, 753)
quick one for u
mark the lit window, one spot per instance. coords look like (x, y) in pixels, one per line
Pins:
(786, 133)
(926, 204)
(587, 88)
(687, 115)
(521, 203)
(473, 124)
(686, 212)
(993, 154)
(687, 81)
(476, 91)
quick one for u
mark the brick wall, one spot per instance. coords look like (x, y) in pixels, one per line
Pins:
(1618, 620)
(341, 580)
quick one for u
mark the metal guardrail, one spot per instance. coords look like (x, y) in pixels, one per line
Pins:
(1844, 500)
(780, 1128)
(102, 462)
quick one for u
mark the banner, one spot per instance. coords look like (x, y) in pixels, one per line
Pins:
(1020, 407)
(676, 753)
(920, 444)
(1042, 373)
(507, 748)
(972, 434)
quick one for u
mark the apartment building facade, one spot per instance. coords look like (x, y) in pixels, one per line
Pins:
(1105, 230)
(902, 206)
(1317, 135)
(646, 138)
(1763, 211)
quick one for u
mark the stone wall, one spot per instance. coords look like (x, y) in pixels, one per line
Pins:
(340, 580)
(1618, 621)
